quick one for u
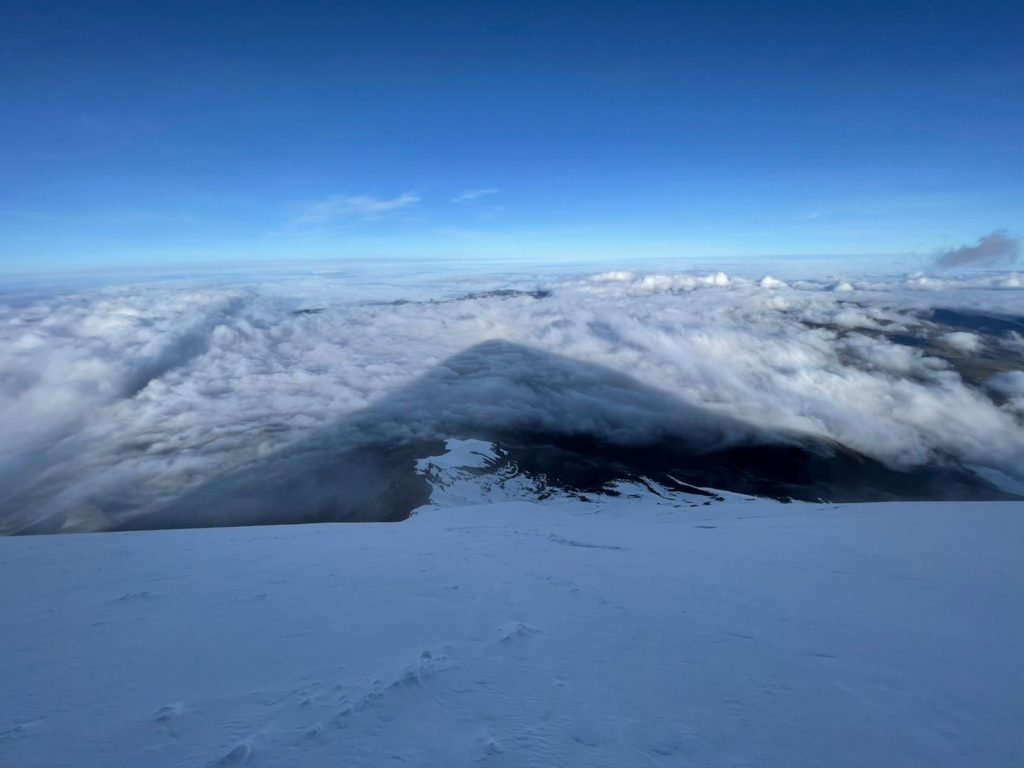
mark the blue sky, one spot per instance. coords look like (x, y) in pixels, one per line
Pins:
(137, 134)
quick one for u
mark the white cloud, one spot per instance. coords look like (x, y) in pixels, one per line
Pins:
(340, 207)
(123, 398)
(961, 341)
(474, 194)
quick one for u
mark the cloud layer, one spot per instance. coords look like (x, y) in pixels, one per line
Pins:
(147, 392)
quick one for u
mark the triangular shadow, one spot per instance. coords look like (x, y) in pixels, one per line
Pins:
(579, 425)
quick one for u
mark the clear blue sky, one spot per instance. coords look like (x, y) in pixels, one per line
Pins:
(142, 133)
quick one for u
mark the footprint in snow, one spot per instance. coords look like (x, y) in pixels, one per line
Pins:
(240, 754)
(514, 629)
(489, 744)
(167, 713)
(166, 718)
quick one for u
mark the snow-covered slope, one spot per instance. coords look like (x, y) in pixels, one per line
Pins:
(477, 472)
(612, 633)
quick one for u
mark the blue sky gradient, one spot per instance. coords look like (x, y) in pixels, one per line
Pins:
(137, 134)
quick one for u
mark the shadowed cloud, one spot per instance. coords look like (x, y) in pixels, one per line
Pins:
(997, 249)
(579, 426)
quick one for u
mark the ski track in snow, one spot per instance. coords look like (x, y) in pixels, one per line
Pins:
(744, 634)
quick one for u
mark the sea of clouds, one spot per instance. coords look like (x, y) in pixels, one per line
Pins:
(147, 391)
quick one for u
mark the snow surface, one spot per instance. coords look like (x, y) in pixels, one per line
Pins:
(744, 633)
(466, 473)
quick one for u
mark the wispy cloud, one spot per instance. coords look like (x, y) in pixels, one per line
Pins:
(994, 250)
(341, 207)
(474, 194)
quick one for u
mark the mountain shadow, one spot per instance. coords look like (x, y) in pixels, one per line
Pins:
(578, 427)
